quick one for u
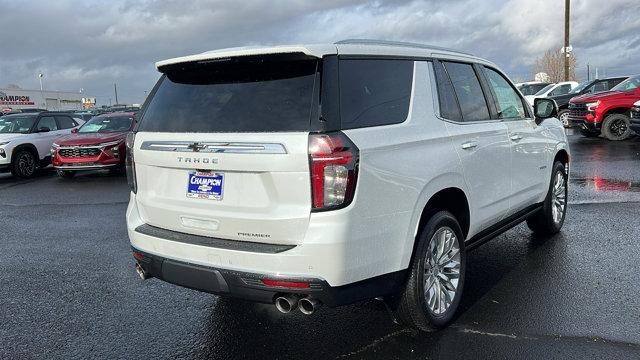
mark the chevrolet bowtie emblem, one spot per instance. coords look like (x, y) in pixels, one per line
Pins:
(196, 146)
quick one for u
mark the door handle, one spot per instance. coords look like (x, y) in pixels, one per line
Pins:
(515, 137)
(469, 145)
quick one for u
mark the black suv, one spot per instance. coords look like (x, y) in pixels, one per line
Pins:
(587, 87)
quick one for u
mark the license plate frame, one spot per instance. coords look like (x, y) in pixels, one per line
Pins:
(208, 185)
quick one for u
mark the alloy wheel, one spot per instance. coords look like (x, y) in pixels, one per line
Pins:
(558, 197)
(442, 270)
(26, 164)
(618, 127)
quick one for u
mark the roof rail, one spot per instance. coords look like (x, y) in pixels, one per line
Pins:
(397, 43)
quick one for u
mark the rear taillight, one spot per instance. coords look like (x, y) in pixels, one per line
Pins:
(334, 170)
(130, 163)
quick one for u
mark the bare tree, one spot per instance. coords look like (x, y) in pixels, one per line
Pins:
(13, 86)
(552, 63)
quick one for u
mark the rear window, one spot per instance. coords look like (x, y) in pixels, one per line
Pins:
(374, 92)
(233, 95)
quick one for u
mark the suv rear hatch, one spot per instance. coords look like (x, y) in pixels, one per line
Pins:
(222, 148)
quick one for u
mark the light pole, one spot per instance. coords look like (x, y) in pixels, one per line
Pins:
(40, 76)
(567, 47)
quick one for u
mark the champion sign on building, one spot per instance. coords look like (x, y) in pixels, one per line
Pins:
(14, 99)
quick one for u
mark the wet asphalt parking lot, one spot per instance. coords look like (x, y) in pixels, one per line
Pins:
(68, 288)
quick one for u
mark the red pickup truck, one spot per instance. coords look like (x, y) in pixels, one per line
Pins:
(607, 112)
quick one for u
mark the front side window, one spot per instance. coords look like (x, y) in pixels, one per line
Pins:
(48, 122)
(468, 90)
(374, 92)
(628, 85)
(508, 103)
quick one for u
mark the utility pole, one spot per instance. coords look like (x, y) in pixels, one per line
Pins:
(567, 6)
(115, 90)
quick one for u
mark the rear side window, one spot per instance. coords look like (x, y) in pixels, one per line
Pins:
(48, 122)
(65, 122)
(374, 92)
(468, 90)
(449, 108)
(233, 95)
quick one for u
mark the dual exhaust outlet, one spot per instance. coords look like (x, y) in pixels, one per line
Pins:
(284, 303)
(290, 302)
(142, 273)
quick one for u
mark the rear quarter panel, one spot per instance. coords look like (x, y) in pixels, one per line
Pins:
(401, 167)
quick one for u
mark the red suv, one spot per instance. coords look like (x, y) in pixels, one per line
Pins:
(606, 112)
(98, 144)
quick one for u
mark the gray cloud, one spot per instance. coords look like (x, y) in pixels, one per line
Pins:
(92, 44)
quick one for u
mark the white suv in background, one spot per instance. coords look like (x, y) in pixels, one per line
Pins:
(557, 89)
(330, 174)
(26, 139)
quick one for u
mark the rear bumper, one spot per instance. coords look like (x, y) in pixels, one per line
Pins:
(248, 286)
(343, 270)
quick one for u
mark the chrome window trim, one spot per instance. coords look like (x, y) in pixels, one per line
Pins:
(214, 147)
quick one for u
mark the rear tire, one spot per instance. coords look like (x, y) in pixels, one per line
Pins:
(434, 288)
(24, 165)
(66, 174)
(550, 218)
(616, 127)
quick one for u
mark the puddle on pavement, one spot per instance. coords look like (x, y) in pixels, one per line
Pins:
(599, 184)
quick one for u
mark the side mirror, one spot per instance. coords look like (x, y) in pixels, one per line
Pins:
(544, 108)
(43, 129)
(74, 130)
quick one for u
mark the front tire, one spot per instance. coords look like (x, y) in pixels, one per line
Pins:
(616, 127)
(24, 165)
(433, 291)
(563, 116)
(550, 218)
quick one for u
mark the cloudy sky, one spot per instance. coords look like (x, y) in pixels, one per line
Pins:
(93, 44)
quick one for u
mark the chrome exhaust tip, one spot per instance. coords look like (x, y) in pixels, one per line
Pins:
(141, 272)
(308, 305)
(286, 303)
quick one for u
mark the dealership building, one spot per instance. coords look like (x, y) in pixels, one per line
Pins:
(49, 100)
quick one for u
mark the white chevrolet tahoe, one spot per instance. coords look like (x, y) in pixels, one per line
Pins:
(26, 139)
(330, 174)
